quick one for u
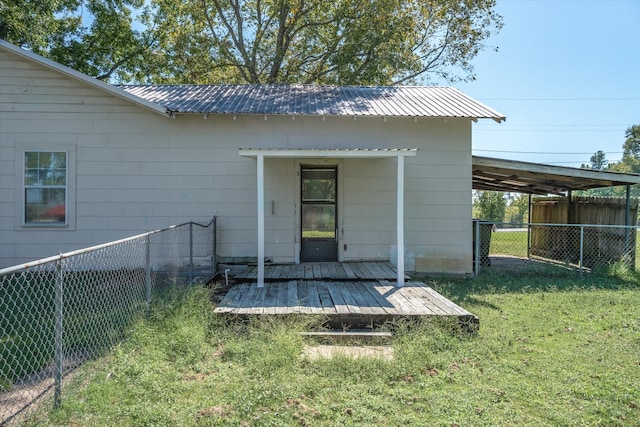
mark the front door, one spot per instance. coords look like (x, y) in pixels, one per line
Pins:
(318, 210)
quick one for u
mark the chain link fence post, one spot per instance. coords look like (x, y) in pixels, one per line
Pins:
(147, 273)
(581, 249)
(214, 256)
(58, 332)
(190, 252)
(477, 254)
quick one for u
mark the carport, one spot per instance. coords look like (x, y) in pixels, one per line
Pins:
(535, 178)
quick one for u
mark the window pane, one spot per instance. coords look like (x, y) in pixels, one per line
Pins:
(43, 177)
(31, 177)
(319, 185)
(59, 177)
(59, 160)
(34, 196)
(319, 221)
(44, 161)
(31, 160)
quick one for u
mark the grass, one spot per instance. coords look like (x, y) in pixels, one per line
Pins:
(318, 234)
(513, 243)
(552, 350)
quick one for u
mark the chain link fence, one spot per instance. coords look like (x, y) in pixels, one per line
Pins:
(58, 312)
(574, 247)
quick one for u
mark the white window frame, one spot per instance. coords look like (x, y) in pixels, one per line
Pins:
(70, 188)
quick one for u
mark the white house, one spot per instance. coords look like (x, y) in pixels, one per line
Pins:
(294, 173)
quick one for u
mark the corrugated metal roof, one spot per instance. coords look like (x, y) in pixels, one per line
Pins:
(315, 100)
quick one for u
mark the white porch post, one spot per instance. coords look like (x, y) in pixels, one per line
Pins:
(400, 222)
(260, 175)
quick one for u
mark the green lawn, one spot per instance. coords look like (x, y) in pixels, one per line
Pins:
(323, 234)
(512, 243)
(552, 350)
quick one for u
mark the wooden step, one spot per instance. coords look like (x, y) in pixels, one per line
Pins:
(348, 333)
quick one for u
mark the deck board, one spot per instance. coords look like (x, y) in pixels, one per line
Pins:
(281, 302)
(325, 298)
(348, 271)
(347, 292)
(293, 304)
(338, 300)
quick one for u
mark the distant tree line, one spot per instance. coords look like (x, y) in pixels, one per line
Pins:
(498, 206)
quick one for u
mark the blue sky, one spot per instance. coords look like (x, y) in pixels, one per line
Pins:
(566, 75)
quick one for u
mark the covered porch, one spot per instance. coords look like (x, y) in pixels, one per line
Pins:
(398, 154)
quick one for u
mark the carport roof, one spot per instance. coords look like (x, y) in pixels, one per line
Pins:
(537, 178)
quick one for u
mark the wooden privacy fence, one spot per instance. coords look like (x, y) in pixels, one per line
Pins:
(592, 245)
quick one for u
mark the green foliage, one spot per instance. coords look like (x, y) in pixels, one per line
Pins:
(489, 205)
(30, 23)
(297, 41)
(630, 163)
(517, 211)
(631, 146)
(551, 351)
(91, 36)
(598, 161)
(251, 41)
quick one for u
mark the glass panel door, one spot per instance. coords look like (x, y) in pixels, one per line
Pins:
(318, 202)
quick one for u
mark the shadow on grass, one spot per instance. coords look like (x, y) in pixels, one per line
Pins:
(502, 279)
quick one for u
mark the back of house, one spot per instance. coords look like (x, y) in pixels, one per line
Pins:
(83, 162)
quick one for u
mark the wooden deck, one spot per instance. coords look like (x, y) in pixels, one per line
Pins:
(354, 294)
(323, 271)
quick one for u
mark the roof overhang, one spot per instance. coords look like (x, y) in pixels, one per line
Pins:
(536, 178)
(329, 153)
(112, 90)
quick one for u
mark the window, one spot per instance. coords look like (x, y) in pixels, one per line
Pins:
(45, 187)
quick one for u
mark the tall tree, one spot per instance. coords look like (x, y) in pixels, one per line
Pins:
(318, 41)
(517, 208)
(630, 163)
(257, 41)
(598, 161)
(631, 146)
(30, 23)
(95, 37)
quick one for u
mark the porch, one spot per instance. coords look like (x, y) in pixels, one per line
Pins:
(354, 295)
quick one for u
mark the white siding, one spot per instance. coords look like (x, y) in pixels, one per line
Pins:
(138, 171)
